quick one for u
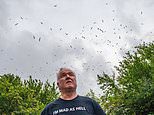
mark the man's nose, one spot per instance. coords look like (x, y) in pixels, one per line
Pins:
(67, 75)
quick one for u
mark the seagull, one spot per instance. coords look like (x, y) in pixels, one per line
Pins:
(33, 37)
(83, 37)
(70, 46)
(16, 24)
(66, 33)
(39, 39)
(101, 30)
(55, 5)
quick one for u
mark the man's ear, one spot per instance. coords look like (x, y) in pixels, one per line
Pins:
(58, 84)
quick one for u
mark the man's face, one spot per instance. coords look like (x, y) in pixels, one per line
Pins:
(66, 80)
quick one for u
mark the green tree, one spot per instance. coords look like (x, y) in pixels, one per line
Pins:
(24, 97)
(132, 91)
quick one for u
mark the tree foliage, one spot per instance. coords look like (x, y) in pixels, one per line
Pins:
(24, 97)
(132, 91)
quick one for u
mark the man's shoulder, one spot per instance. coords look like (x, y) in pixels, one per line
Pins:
(88, 100)
(50, 107)
(85, 98)
(96, 107)
(52, 104)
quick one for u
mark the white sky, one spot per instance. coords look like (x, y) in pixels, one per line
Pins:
(89, 36)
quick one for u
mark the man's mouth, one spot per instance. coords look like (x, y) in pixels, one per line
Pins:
(69, 82)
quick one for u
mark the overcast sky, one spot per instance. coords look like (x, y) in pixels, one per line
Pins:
(37, 37)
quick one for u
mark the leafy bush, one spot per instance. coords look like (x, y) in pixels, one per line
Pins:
(132, 91)
(24, 97)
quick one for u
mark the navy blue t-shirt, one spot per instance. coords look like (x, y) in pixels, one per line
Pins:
(79, 106)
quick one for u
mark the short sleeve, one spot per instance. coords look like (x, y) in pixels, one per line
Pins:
(44, 112)
(97, 108)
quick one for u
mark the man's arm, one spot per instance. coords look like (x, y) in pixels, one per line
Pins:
(97, 109)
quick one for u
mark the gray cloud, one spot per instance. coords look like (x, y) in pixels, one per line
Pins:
(38, 37)
(3, 15)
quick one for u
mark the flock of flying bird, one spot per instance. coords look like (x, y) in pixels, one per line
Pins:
(97, 33)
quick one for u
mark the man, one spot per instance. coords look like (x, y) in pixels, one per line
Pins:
(69, 102)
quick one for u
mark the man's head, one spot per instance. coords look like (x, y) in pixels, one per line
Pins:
(66, 80)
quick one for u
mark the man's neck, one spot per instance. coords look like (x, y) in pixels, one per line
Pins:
(68, 95)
